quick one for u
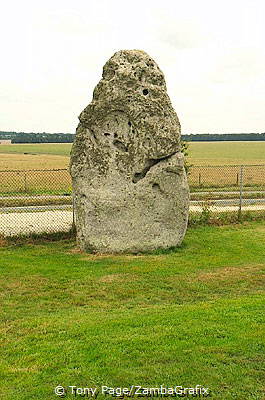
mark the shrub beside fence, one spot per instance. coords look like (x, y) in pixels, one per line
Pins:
(36, 201)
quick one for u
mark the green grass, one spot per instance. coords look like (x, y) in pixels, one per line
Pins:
(56, 156)
(61, 149)
(190, 316)
(226, 153)
(200, 153)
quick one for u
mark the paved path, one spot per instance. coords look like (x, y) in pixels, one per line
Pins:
(60, 220)
(25, 223)
(26, 209)
(218, 203)
(67, 195)
(228, 202)
(227, 192)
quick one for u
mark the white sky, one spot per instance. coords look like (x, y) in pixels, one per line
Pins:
(211, 51)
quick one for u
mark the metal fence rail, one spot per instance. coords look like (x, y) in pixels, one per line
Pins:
(36, 201)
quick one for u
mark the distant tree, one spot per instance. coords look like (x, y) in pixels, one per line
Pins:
(213, 137)
(43, 137)
(23, 137)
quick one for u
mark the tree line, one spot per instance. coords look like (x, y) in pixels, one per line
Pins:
(24, 137)
(224, 137)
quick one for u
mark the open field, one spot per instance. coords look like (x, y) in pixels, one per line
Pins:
(35, 156)
(10, 161)
(226, 153)
(30, 161)
(61, 149)
(200, 179)
(56, 155)
(35, 182)
(192, 316)
(227, 177)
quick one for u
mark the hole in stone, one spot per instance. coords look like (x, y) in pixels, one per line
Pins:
(107, 134)
(121, 146)
(115, 135)
(145, 92)
(133, 131)
(129, 123)
(156, 186)
(137, 176)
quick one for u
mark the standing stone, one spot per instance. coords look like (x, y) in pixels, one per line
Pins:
(129, 184)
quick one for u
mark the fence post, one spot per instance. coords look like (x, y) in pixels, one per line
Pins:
(73, 205)
(25, 182)
(241, 192)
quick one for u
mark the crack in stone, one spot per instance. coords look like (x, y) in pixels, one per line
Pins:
(150, 163)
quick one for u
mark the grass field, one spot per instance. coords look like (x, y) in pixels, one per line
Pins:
(34, 156)
(226, 153)
(60, 149)
(192, 316)
(56, 155)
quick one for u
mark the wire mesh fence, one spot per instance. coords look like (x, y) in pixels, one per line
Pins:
(36, 201)
(226, 191)
(36, 181)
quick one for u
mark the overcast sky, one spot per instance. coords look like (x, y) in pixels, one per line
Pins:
(211, 51)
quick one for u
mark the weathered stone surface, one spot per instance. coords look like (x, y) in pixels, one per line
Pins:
(129, 184)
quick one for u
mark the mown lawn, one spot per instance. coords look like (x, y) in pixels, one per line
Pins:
(192, 316)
